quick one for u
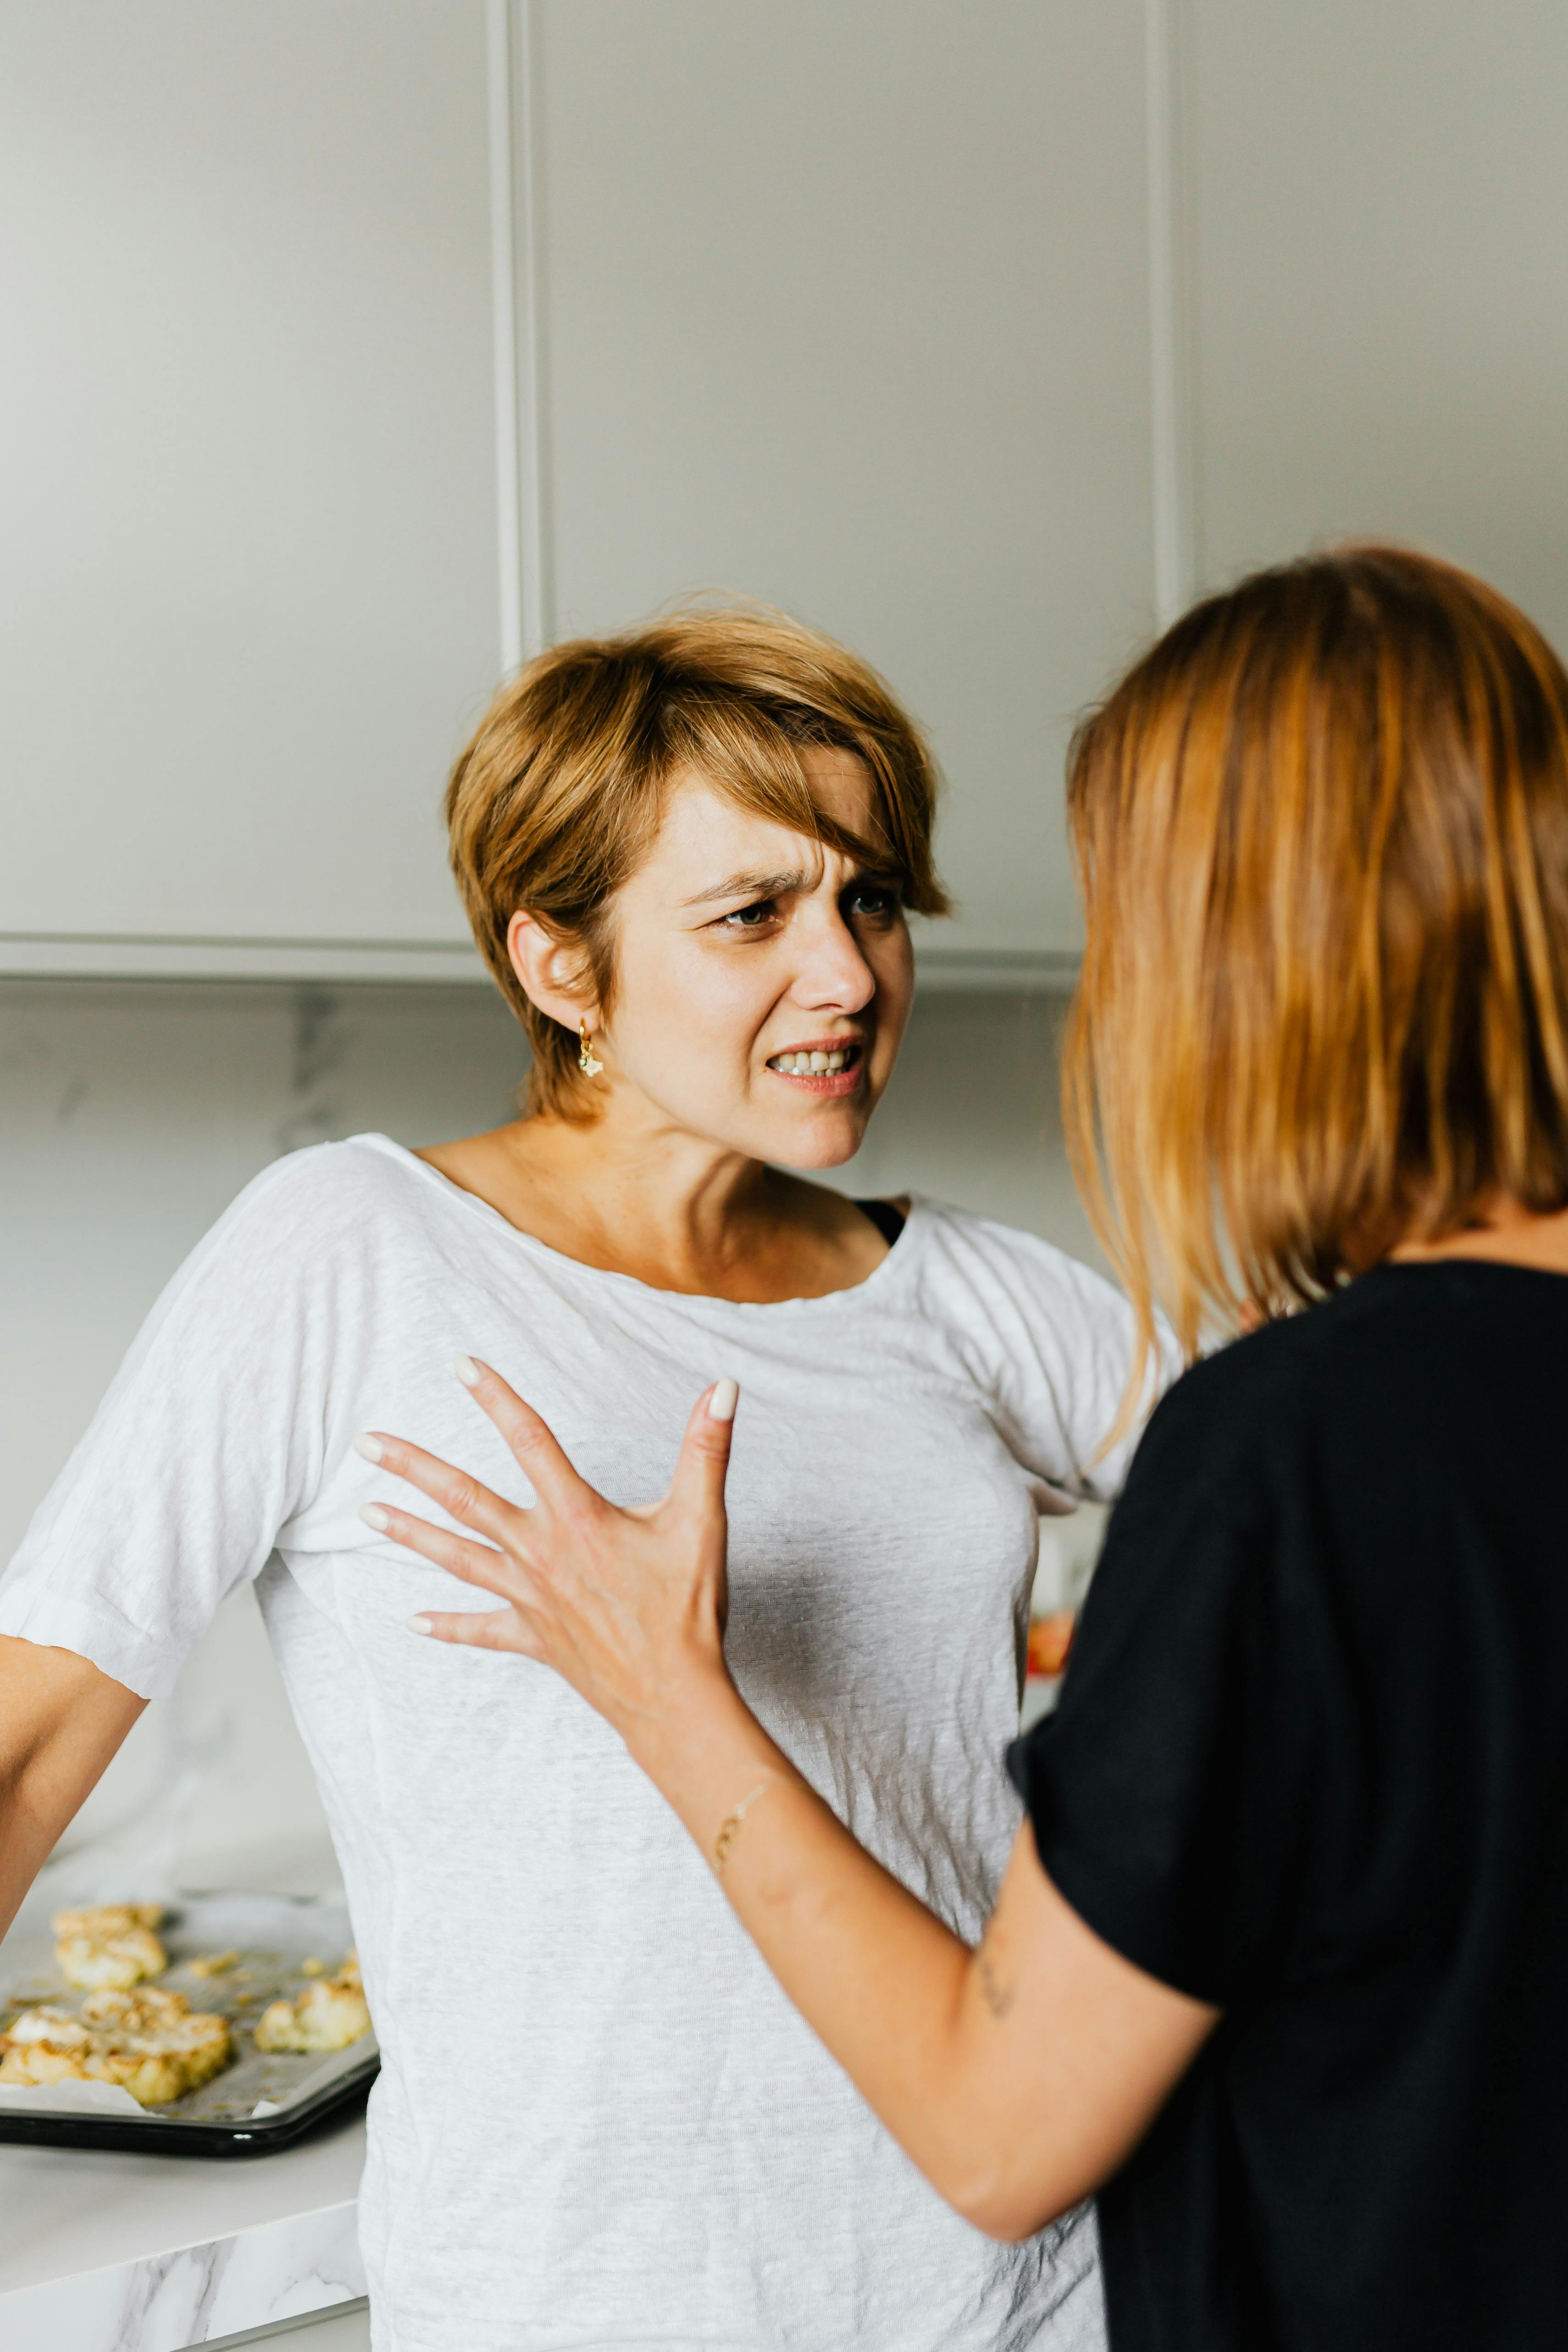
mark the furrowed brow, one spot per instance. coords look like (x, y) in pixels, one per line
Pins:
(754, 886)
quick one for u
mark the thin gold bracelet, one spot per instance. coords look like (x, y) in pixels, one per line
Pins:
(729, 1828)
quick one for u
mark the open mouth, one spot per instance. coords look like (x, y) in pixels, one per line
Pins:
(831, 1066)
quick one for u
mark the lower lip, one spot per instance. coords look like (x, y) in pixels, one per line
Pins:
(830, 1083)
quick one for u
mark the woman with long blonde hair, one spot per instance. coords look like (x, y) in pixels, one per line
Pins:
(1279, 1964)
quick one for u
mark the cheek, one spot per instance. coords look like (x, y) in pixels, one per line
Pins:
(686, 995)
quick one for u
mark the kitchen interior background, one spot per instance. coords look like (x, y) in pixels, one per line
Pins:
(360, 347)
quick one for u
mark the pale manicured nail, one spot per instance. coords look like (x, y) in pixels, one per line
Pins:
(467, 1371)
(374, 1517)
(722, 1404)
(370, 1447)
(418, 1625)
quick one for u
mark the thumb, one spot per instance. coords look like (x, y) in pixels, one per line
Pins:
(696, 1490)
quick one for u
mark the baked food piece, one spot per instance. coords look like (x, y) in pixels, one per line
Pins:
(327, 2015)
(109, 1944)
(152, 2043)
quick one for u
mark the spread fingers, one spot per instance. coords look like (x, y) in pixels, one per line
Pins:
(474, 1563)
(535, 1447)
(462, 1498)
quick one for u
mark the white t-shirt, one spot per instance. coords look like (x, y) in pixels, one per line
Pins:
(599, 2123)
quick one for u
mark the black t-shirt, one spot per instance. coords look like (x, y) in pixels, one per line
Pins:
(1310, 1764)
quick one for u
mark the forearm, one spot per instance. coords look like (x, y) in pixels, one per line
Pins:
(30, 1827)
(1017, 2077)
(61, 1722)
(893, 1993)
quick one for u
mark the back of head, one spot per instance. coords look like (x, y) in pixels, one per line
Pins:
(1321, 831)
(557, 798)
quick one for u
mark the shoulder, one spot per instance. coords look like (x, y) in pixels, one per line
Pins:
(1050, 1341)
(991, 1257)
(312, 1206)
(365, 1170)
(1035, 1300)
(1232, 1423)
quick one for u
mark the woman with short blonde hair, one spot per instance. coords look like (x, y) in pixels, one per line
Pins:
(688, 853)
(1278, 1966)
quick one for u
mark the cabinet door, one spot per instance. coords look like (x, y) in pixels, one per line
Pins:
(247, 438)
(1381, 217)
(846, 308)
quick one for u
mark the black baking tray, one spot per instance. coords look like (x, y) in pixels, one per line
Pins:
(154, 2136)
(272, 1934)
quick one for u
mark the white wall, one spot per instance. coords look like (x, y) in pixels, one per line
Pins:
(130, 1114)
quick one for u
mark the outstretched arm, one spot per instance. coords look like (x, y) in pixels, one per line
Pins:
(61, 1722)
(1018, 2076)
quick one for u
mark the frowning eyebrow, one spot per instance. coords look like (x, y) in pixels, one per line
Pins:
(748, 886)
(754, 886)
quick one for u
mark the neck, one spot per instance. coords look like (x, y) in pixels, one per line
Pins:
(1508, 1233)
(633, 1194)
(690, 1202)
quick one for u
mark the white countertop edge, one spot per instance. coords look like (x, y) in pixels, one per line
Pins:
(340, 2311)
(286, 2269)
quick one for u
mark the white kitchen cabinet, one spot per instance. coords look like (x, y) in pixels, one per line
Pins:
(846, 308)
(1379, 214)
(247, 441)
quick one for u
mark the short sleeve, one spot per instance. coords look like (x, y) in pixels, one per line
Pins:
(210, 1437)
(1051, 1342)
(1169, 1791)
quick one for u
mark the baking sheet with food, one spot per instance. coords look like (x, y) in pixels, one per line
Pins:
(190, 2020)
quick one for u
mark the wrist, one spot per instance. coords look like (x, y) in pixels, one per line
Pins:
(683, 1717)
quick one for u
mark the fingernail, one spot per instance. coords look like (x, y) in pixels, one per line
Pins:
(722, 1404)
(466, 1370)
(370, 1447)
(418, 1625)
(374, 1517)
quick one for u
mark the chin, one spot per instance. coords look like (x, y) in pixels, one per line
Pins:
(828, 1149)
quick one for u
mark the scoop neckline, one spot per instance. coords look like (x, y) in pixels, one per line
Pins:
(900, 1253)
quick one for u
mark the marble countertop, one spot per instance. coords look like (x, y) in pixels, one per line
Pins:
(104, 2253)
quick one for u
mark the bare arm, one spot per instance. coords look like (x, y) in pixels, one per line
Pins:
(1017, 2076)
(61, 1722)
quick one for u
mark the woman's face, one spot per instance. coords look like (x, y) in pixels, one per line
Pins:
(742, 949)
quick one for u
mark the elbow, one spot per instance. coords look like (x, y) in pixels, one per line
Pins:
(1006, 2208)
(1007, 2220)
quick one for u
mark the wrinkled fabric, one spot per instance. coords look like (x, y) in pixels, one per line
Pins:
(599, 2123)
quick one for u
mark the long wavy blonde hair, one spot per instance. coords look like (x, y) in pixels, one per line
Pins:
(1321, 837)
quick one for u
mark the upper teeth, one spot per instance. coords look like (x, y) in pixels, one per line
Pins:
(805, 1065)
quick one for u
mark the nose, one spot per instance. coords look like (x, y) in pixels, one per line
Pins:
(833, 975)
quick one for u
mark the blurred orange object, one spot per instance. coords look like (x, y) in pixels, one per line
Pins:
(1050, 1640)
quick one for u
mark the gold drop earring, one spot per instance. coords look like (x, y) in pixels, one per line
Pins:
(588, 1061)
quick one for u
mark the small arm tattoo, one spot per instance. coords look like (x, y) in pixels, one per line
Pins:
(997, 1996)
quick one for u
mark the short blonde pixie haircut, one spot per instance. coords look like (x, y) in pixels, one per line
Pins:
(556, 799)
(1321, 833)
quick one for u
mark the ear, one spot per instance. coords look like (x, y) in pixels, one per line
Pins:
(550, 972)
